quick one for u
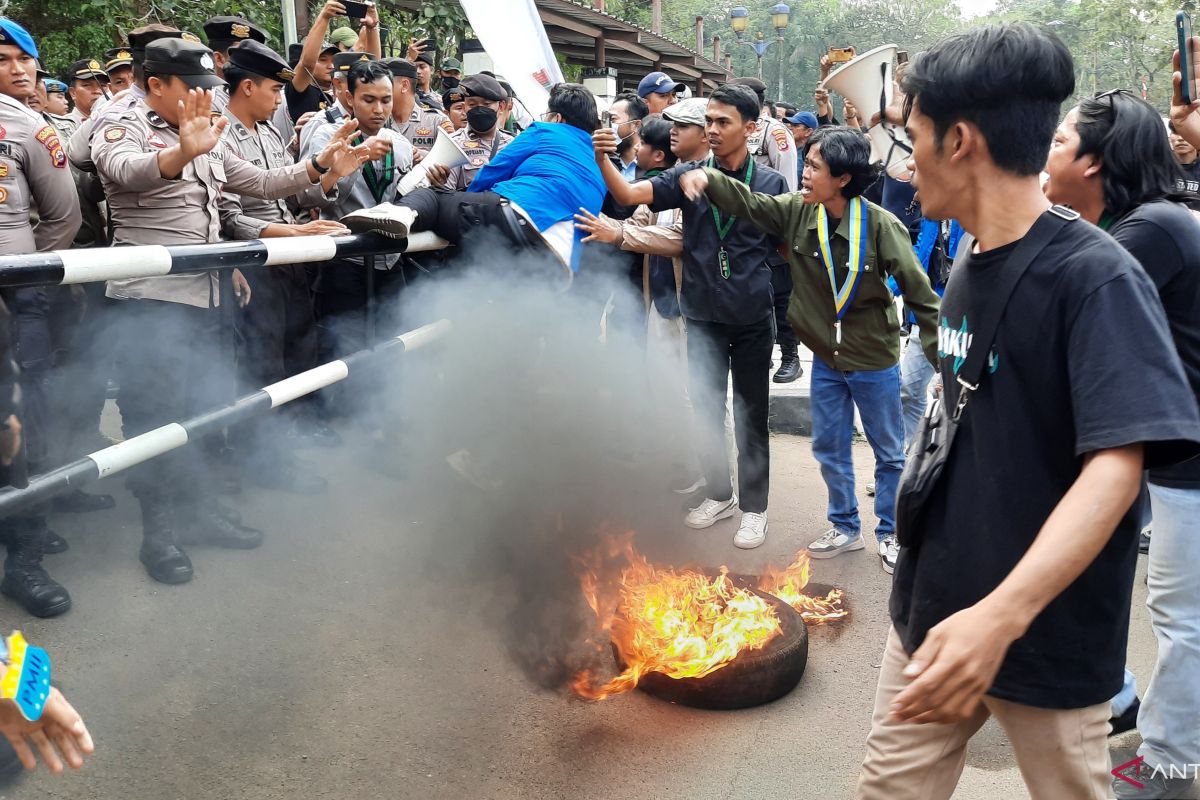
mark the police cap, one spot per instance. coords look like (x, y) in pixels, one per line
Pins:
(86, 69)
(222, 32)
(117, 57)
(191, 62)
(258, 59)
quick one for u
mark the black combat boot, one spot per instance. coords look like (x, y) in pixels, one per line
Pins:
(164, 560)
(204, 522)
(24, 579)
(789, 364)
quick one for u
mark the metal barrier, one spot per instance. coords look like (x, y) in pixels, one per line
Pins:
(60, 267)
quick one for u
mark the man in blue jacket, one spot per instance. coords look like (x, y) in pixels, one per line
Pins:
(530, 190)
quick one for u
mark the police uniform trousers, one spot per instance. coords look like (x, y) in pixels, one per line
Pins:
(83, 363)
(170, 366)
(276, 331)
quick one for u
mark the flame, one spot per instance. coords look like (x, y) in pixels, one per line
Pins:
(682, 623)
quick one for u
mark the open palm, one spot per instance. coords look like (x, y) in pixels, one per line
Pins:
(198, 133)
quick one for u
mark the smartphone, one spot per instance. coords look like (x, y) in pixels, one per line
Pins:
(355, 10)
(1187, 57)
(840, 55)
(901, 56)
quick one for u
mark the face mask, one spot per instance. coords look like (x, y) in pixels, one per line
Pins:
(482, 119)
(450, 83)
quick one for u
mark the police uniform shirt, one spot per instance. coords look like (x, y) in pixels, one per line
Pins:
(75, 115)
(34, 177)
(65, 125)
(479, 153)
(80, 149)
(429, 100)
(245, 217)
(772, 146)
(422, 127)
(147, 208)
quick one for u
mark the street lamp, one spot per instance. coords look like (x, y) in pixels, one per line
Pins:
(739, 20)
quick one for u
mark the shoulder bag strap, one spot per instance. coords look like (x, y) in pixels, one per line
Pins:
(1040, 235)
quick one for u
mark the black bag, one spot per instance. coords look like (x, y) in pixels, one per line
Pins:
(935, 435)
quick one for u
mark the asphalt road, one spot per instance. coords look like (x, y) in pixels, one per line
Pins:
(354, 656)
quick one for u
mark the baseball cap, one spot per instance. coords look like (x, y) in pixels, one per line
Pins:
(803, 118)
(191, 62)
(687, 112)
(346, 37)
(14, 34)
(86, 69)
(451, 65)
(222, 32)
(656, 83)
(258, 59)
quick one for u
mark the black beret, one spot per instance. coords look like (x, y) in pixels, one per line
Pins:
(258, 59)
(221, 32)
(427, 57)
(452, 96)
(401, 68)
(483, 86)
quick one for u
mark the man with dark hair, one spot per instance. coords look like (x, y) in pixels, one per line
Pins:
(529, 191)
(1112, 163)
(223, 33)
(843, 243)
(727, 301)
(1020, 609)
(454, 103)
(87, 82)
(425, 94)
(118, 64)
(659, 91)
(482, 139)
(626, 114)
(311, 88)
(1189, 164)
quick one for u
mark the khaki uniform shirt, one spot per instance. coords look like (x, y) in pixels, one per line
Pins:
(34, 178)
(245, 217)
(80, 150)
(772, 146)
(147, 208)
(480, 153)
(422, 127)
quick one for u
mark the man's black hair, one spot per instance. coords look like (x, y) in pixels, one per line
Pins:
(789, 110)
(740, 97)
(575, 104)
(1008, 80)
(637, 106)
(846, 151)
(770, 109)
(235, 75)
(1137, 164)
(656, 132)
(367, 72)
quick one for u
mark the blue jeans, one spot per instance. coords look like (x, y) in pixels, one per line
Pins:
(915, 374)
(877, 395)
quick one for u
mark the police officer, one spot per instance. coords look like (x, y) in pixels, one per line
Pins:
(56, 98)
(164, 168)
(88, 83)
(482, 138)
(277, 331)
(118, 63)
(416, 123)
(454, 101)
(33, 178)
(223, 33)
(425, 95)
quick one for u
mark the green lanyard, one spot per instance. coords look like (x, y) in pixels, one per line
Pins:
(377, 186)
(1106, 221)
(723, 228)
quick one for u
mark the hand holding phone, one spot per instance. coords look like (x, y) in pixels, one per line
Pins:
(356, 10)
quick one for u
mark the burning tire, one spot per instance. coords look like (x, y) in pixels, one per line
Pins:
(753, 678)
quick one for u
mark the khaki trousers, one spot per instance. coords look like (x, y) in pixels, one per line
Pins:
(1062, 753)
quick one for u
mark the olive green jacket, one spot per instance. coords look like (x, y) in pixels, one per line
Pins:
(871, 325)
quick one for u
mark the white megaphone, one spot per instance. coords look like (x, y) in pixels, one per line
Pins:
(866, 81)
(445, 153)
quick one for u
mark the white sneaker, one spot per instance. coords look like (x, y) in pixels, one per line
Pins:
(753, 531)
(710, 512)
(386, 218)
(835, 542)
(889, 551)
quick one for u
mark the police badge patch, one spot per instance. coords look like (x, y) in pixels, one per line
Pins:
(114, 134)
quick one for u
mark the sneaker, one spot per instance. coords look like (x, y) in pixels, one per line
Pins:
(390, 220)
(835, 542)
(1146, 783)
(1126, 721)
(709, 512)
(888, 552)
(1144, 541)
(752, 532)
(870, 490)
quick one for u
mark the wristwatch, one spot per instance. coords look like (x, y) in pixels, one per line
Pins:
(320, 170)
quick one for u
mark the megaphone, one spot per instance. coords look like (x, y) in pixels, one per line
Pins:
(445, 153)
(866, 81)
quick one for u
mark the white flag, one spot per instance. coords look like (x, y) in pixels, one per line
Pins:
(513, 35)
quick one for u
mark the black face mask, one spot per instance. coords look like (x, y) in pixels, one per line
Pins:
(450, 83)
(482, 119)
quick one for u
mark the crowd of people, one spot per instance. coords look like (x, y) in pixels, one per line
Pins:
(736, 225)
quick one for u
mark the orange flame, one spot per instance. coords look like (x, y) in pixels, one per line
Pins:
(683, 623)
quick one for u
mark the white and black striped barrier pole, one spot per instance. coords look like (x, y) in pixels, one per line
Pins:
(56, 267)
(151, 444)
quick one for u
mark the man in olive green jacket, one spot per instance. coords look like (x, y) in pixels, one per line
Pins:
(842, 250)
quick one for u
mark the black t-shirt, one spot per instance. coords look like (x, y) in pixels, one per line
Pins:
(1165, 239)
(745, 296)
(1082, 361)
(300, 103)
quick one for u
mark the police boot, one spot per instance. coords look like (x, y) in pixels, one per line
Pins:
(164, 560)
(24, 579)
(205, 523)
(789, 364)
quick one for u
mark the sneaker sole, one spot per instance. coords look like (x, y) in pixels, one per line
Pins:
(726, 514)
(389, 228)
(857, 545)
(749, 545)
(886, 568)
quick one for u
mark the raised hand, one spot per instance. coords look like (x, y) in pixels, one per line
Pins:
(693, 183)
(348, 159)
(332, 9)
(198, 133)
(377, 147)
(321, 227)
(598, 229)
(604, 141)
(59, 734)
(1184, 115)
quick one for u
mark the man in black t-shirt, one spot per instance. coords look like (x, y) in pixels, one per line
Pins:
(1129, 194)
(1189, 163)
(1012, 597)
(727, 300)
